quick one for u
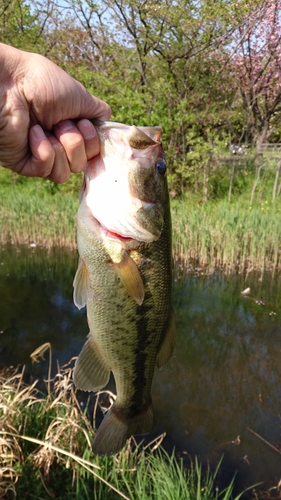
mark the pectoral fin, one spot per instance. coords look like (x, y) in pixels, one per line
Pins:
(90, 372)
(82, 291)
(129, 275)
(168, 344)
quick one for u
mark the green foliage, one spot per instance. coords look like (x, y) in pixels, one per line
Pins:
(19, 27)
(217, 232)
(155, 63)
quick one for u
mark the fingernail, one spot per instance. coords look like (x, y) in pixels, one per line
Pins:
(87, 129)
(38, 133)
(65, 125)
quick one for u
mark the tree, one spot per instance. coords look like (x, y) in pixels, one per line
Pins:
(18, 26)
(253, 60)
(193, 67)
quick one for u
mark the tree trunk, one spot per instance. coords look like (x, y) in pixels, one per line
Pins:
(232, 172)
(259, 166)
(261, 138)
(276, 189)
(206, 180)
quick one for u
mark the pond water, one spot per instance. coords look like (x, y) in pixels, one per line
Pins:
(223, 379)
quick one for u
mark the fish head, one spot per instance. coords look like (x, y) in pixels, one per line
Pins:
(125, 185)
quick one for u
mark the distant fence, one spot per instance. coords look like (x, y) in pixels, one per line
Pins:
(271, 150)
(242, 150)
(243, 156)
(231, 161)
(271, 147)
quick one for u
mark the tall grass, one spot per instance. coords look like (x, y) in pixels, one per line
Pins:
(35, 211)
(45, 452)
(232, 236)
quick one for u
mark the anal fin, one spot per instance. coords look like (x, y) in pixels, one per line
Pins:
(168, 344)
(128, 272)
(90, 372)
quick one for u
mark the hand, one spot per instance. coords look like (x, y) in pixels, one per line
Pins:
(44, 129)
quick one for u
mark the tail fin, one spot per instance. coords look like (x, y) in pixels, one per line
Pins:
(116, 428)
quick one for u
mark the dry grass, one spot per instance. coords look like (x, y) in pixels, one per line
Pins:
(45, 450)
(55, 426)
(65, 433)
(15, 399)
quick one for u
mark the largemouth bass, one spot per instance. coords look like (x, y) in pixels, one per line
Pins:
(124, 277)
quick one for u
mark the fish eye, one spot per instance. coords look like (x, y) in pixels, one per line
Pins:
(160, 166)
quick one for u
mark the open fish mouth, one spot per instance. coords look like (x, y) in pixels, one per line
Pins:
(116, 236)
(129, 218)
(123, 190)
(127, 228)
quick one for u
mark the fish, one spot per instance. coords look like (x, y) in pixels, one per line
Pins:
(124, 277)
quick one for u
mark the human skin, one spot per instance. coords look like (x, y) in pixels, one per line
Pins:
(44, 117)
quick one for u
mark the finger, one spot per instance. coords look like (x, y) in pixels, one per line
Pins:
(102, 110)
(90, 136)
(73, 143)
(40, 163)
(90, 106)
(61, 169)
(48, 156)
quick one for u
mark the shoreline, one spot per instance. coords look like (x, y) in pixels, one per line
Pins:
(234, 236)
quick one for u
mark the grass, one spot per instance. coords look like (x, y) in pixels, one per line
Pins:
(45, 440)
(235, 236)
(231, 236)
(45, 452)
(36, 211)
(236, 233)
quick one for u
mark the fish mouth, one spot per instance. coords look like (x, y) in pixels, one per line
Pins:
(116, 236)
(127, 242)
(113, 235)
(124, 226)
(136, 234)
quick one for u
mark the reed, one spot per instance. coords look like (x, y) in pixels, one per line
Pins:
(234, 236)
(229, 236)
(33, 213)
(45, 452)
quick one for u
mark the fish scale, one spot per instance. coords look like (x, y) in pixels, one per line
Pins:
(125, 283)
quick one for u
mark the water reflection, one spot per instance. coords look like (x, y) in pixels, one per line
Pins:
(223, 379)
(226, 371)
(37, 306)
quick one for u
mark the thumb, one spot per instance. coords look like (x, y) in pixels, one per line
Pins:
(92, 107)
